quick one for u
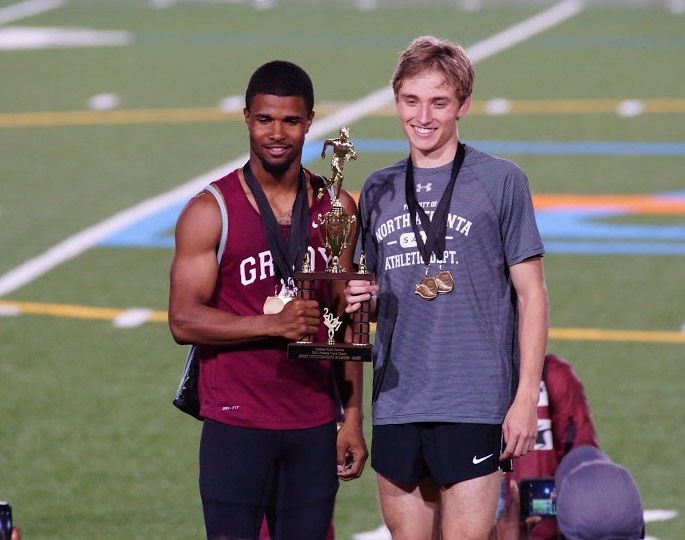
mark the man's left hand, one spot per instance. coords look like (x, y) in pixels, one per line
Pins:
(351, 450)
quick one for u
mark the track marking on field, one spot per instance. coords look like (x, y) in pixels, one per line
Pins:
(133, 317)
(660, 515)
(31, 38)
(29, 8)
(120, 317)
(86, 239)
(652, 516)
(13, 38)
(634, 204)
(568, 223)
(596, 334)
(228, 111)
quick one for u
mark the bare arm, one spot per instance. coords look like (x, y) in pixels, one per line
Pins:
(520, 423)
(192, 281)
(351, 447)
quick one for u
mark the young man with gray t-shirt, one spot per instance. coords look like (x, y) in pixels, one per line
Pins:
(461, 306)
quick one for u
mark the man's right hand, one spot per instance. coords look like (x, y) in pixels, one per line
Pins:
(299, 318)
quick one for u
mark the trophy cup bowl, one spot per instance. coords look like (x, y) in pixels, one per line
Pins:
(336, 228)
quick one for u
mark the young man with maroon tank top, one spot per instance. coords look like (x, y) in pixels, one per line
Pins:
(269, 445)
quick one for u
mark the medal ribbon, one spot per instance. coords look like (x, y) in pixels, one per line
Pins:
(289, 254)
(435, 230)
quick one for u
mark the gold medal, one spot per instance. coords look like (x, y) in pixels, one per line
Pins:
(275, 304)
(427, 288)
(444, 281)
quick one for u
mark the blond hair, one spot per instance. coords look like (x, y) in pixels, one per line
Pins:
(428, 53)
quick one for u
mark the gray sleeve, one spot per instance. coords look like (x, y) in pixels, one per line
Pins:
(520, 234)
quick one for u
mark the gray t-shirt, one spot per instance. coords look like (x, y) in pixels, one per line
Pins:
(453, 358)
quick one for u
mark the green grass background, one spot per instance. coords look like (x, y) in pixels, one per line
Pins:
(90, 446)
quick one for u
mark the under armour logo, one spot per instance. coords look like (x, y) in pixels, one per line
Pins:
(421, 187)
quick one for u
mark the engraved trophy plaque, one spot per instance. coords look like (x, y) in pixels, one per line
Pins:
(336, 230)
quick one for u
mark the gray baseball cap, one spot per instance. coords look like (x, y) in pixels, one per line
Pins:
(596, 498)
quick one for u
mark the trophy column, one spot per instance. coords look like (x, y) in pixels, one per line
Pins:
(336, 229)
(359, 350)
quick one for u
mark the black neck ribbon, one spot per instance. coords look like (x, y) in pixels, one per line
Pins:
(435, 230)
(287, 255)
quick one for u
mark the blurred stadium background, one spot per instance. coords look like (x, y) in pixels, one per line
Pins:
(113, 113)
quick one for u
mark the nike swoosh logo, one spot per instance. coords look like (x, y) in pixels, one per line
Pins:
(476, 460)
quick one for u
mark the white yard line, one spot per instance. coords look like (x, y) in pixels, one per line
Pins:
(525, 30)
(28, 8)
(86, 239)
(132, 318)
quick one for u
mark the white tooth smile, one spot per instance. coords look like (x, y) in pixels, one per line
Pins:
(424, 131)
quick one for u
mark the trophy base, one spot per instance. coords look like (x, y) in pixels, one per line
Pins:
(338, 352)
(343, 276)
(358, 349)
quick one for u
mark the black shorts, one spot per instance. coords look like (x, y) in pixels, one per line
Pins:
(449, 453)
(288, 475)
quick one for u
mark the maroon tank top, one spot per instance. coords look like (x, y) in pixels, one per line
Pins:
(256, 385)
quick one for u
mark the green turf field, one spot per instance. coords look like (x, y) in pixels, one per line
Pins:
(593, 109)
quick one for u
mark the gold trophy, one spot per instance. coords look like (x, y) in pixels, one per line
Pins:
(336, 230)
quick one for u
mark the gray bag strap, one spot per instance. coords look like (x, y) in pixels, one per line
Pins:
(224, 219)
(192, 351)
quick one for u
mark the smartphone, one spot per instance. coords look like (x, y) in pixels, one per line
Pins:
(506, 465)
(538, 497)
(5, 520)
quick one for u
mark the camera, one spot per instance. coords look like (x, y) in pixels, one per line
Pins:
(5, 520)
(538, 497)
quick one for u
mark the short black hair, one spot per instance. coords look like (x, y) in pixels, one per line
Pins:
(280, 78)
